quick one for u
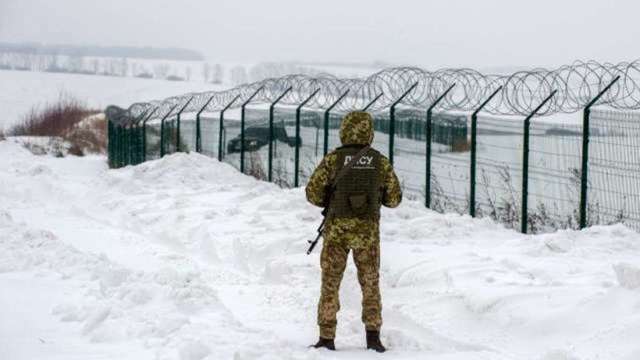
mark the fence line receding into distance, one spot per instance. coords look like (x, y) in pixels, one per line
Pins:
(460, 140)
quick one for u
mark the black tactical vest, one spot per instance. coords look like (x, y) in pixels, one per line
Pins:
(357, 193)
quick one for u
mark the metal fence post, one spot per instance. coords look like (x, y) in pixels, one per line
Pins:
(116, 145)
(138, 141)
(162, 137)
(134, 143)
(221, 137)
(112, 144)
(296, 177)
(133, 140)
(123, 138)
(135, 137)
(109, 141)
(116, 148)
(242, 126)
(326, 121)
(428, 136)
(198, 131)
(584, 178)
(123, 143)
(135, 147)
(178, 142)
(392, 120)
(162, 130)
(144, 134)
(370, 104)
(524, 216)
(127, 143)
(271, 110)
(121, 153)
(474, 132)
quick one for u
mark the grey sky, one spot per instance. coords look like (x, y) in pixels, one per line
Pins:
(427, 33)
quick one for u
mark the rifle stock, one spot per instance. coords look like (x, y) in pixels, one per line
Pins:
(325, 212)
(320, 229)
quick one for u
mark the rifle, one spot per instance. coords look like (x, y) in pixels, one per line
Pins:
(320, 230)
(325, 212)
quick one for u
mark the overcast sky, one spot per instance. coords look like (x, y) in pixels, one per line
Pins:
(431, 34)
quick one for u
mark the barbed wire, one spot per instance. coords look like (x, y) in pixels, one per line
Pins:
(521, 92)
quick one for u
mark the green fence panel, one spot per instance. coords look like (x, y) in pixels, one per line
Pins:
(209, 129)
(499, 169)
(170, 136)
(614, 168)
(231, 145)
(152, 140)
(187, 133)
(311, 142)
(554, 176)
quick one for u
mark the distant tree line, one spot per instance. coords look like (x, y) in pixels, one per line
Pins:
(110, 66)
(103, 51)
(23, 58)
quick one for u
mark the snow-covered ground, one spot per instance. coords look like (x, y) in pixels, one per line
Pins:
(184, 258)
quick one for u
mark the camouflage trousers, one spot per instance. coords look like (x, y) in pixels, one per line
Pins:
(333, 261)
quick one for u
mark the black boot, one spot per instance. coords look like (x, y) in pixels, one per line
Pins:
(373, 341)
(325, 343)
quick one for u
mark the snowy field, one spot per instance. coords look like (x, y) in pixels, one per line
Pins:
(184, 258)
(21, 90)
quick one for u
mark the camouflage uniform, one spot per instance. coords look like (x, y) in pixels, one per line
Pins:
(341, 235)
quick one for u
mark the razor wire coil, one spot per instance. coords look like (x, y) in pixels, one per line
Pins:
(521, 92)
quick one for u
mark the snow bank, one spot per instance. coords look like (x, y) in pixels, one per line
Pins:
(184, 258)
(628, 275)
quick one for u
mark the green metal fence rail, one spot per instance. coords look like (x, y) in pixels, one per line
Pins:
(487, 151)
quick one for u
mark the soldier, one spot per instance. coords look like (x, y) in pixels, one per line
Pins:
(352, 223)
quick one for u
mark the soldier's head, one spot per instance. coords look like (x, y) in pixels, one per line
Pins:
(356, 128)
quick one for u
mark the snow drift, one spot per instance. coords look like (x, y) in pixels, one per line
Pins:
(184, 258)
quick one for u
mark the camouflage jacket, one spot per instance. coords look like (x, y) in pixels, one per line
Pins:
(356, 128)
